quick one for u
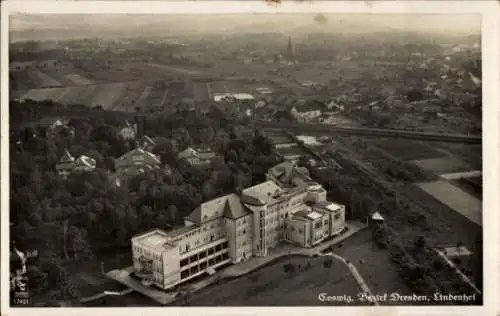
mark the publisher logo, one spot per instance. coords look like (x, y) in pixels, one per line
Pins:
(21, 294)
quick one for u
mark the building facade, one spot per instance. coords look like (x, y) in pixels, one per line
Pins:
(197, 157)
(135, 162)
(68, 164)
(287, 207)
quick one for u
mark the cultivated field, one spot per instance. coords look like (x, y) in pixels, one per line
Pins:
(442, 165)
(455, 198)
(271, 286)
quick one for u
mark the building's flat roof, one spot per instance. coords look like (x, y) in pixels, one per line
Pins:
(307, 214)
(156, 239)
(314, 215)
(265, 191)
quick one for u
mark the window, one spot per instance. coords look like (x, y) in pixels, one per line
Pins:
(317, 225)
(244, 231)
(184, 274)
(325, 222)
(300, 230)
(337, 217)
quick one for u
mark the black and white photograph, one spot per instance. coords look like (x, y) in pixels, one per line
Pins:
(258, 158)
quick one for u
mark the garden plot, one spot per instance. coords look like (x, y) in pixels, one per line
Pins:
(442, 165)
(271, 286)
(455, 198)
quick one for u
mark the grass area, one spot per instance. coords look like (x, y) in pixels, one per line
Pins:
(374, 264)
(407, 149)
(271, 286)
(471, 185)
(442, 165)
(471, 154)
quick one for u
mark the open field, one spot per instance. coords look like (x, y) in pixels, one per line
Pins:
(78, 80)
(455, 198)
(116, 96)
(37, 79)
(407, 149)
(373, 263)
(271, 286)
(442, 165)
(235, 86)
(43, 94)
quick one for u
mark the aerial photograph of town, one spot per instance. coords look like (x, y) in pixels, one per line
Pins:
(292, 159)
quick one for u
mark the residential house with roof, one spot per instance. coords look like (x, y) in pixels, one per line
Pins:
(135, 162)
(288, 207)
(197, 156)
(146, 143)
(68, 164)
(129, 131)
(305, 115)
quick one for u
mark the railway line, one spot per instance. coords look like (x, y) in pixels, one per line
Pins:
(302, 128)
(320, 130)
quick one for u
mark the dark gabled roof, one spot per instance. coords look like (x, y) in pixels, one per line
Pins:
(234, 209)
(247, 199)
(195, 215)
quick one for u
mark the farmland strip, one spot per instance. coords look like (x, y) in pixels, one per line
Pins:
(45, 80)
(143, 97)
(108, 95)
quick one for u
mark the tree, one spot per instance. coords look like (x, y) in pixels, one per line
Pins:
(79, 244)
(173, 213)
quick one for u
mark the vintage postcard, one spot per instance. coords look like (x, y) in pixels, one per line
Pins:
(312, 156)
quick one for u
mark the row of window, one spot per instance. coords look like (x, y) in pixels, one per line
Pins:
(206, 239)
(241, 222)
(203, 254)
(204, 265)
(292, 228)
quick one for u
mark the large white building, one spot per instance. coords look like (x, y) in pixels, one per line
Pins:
(288, 207)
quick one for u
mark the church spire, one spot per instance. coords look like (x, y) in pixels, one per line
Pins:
(290, 51)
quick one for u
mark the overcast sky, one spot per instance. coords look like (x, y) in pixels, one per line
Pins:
(463, 24)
